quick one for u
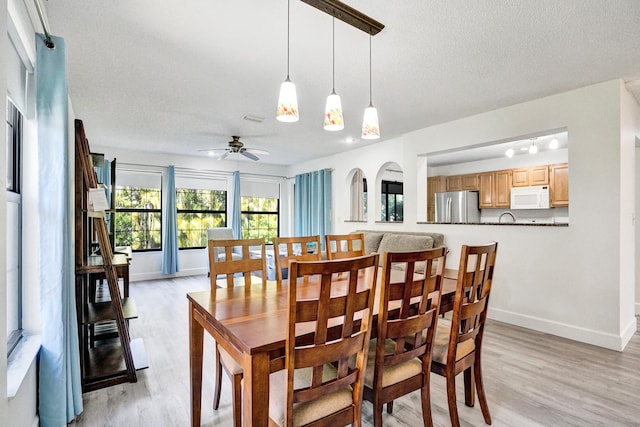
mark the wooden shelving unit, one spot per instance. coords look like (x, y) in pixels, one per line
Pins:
(108, 355)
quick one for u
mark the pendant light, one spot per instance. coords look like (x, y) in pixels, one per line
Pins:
(287, 110)
(370, 127)
(333, 119)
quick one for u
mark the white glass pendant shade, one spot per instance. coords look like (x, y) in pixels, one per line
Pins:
(533, 148)
(370, 127)
(333, 119)
(553, 145)
(287, 110)
(509, 153)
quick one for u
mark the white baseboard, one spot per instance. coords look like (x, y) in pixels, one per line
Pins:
(158, 275)
(576, 333)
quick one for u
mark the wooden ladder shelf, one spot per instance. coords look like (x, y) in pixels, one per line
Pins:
(102, 365)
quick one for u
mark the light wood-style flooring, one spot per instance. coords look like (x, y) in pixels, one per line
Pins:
(531, 379)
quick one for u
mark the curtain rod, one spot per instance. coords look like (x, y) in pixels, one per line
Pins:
(180, 168)
(45, 25)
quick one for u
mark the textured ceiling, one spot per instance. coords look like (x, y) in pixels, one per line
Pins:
(177, 77)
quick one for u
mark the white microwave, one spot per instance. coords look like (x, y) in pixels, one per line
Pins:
(534, 197)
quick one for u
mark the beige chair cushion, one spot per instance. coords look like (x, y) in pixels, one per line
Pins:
(232, 366)
(304, 413)
(441, 344)
(391, 374)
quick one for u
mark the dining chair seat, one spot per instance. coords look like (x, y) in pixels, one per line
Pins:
(306, 412)
(229, 362)
(392, 374)
(441, 343)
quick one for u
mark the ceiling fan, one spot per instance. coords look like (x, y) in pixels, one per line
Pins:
(235, 146)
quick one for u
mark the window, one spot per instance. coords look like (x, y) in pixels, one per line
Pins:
(14, 137)
(260, 217)
(139, 216)
(198, 210)
(392, 205)
(13, 233)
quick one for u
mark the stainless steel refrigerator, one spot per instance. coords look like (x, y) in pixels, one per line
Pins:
(457, 207)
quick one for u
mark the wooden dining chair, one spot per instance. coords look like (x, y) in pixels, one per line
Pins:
(341, 246)
(399, 357)
(327, 325)
(286, 249)
(234, 263)
(457, 345)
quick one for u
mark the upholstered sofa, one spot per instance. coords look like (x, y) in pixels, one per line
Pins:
(377, 241)
(390, 241)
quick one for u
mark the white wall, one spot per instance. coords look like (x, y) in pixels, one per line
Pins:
(148, 265)
(547, 278)
(21, 409)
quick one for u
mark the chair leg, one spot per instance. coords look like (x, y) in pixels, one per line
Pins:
(216, 393)
(390, 407)
(480, 387)
(236, 385)
(451, 399)
(377, 414)
(469, 388)
(426, 403)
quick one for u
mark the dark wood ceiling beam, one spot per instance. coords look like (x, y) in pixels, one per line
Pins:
(347, 14)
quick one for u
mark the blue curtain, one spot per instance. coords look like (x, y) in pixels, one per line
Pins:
(236, 218)
(312, 204)
(60, 390)
(170, 248)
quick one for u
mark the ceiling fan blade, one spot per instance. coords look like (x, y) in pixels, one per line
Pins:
(222, 156)
(257, 151)
(250, 155)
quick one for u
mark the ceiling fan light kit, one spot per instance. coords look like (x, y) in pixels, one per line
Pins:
(236, 147)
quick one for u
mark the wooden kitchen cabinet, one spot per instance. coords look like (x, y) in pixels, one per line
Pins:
(454, 183)
(486, 187)
(470, 181)
(535, 175)
(435, 184)
(502, 194)
(559, 184)
(539, 175)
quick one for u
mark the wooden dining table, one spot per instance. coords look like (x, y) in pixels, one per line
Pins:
(250, 323)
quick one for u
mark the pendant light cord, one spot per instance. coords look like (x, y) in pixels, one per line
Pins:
(288, 20)
(370, 79)
(333, 56)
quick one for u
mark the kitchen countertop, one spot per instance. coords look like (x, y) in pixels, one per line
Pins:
(525, 224)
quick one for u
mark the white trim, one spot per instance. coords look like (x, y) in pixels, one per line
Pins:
(638, 309)
(588, 336)
(158, 275)
(36, 421)
(19, 362)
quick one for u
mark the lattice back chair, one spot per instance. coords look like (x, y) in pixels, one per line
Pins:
(458, 344)
(328, 325)
(237, 259)
(341, 246)
(218, 233)
(286, 249)
(399, 358)
(242, 263)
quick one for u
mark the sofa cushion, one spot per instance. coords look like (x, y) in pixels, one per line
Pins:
(404, 242)
(372, 242)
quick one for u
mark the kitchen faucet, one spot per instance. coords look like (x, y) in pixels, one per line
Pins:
(506, 213)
